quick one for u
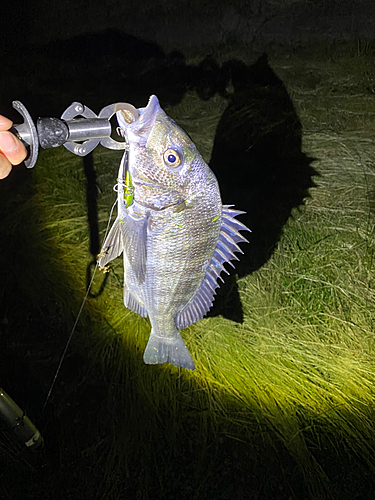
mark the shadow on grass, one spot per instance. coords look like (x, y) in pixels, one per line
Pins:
(258, 159)
(261, 169)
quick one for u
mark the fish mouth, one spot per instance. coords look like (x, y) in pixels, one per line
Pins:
(137, 124)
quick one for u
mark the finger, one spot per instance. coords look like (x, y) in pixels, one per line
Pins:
(5, 167)
(12, 148)
(5, 123)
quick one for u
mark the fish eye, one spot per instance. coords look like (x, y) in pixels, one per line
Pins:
(172, 158)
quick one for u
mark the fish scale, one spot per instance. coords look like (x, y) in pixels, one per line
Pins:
(175, 235)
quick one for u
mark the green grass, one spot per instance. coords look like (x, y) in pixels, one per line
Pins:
(299, 372)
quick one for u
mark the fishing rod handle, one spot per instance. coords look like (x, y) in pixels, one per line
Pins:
(17, 421)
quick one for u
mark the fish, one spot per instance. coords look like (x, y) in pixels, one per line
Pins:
(172, 229)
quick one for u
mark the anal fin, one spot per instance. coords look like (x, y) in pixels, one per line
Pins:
(133, 304)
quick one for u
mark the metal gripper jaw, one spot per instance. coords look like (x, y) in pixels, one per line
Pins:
(79, 130)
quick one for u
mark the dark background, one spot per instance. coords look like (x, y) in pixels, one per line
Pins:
(60, 46)
(180, 25)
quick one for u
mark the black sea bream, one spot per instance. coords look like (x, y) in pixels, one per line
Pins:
(172, 228)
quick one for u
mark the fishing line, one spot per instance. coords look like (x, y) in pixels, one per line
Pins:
(14, 451)
(76, 320)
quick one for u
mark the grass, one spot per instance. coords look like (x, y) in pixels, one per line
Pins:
(298, 374)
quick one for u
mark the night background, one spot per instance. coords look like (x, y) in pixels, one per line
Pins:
(279, 98)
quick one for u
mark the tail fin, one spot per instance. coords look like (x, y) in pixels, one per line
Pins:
(168, 350)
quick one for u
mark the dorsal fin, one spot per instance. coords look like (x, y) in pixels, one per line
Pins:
(226, 245)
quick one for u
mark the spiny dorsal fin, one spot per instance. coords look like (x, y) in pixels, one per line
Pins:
(229, 236)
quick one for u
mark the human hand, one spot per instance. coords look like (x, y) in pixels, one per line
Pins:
(12, 151)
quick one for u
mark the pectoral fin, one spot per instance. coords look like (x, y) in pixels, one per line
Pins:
(112, 246)
(128, 235)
